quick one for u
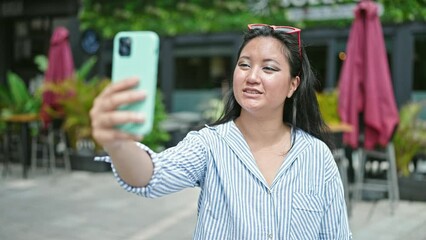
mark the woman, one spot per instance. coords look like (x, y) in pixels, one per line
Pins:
(264, 168)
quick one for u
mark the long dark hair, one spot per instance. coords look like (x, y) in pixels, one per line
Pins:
(301, 110)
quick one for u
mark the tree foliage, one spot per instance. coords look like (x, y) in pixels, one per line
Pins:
(195, 16)
(398, 11)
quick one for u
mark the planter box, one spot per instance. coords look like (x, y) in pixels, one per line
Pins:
(412, 188)
(85, 162)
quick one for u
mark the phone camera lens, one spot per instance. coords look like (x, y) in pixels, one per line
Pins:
(125, 46)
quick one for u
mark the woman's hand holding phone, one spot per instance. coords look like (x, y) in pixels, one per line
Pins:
(105, 115)
(133, 164)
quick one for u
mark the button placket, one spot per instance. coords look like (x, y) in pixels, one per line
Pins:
(271, 212)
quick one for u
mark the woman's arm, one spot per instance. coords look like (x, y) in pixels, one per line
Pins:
(133, 164)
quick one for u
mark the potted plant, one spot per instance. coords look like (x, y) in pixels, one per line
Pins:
(16, 100)
(17, 103)
(410, 140)
(76, 98)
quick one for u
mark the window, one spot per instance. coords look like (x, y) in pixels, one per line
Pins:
(202, 72)
(419, 78)
(419, 72)
(31, 38)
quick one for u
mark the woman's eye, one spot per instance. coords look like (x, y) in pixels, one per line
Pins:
(244, 65)
(271, 69)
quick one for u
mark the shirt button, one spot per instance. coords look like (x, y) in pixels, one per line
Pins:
(270, 236)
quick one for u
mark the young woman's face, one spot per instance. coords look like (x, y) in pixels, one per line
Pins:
(262, 78)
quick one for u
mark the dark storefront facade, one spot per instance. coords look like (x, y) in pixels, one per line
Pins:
(25, 30)
(190, 62)
(195, 68)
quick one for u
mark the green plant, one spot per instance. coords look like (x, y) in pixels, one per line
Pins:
(189, 16)
(162, 16)
(328, 105)
(410, 136)
(15, 98)
(76, 98)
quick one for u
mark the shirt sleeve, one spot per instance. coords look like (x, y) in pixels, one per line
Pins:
(335, 221)
(175, 168)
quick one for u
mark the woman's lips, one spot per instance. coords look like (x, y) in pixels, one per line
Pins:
(251, 91)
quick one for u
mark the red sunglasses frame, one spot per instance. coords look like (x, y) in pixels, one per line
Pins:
(283, 29)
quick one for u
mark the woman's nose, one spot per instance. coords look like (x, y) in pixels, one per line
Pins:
(253, 76)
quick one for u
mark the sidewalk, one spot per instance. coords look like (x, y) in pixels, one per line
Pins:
(84, 205)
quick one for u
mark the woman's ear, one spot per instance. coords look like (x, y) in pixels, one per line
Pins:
(294, 84)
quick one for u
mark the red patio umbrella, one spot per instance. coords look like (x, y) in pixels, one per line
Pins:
(365, 83)
(60, 67)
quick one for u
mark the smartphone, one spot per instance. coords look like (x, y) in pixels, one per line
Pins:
(135, 54)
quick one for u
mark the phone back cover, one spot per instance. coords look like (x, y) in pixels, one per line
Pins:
(142, 63)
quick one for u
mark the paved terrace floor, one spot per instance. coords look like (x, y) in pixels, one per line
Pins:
(85, 205)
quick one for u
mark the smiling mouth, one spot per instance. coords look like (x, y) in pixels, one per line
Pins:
(251, 91)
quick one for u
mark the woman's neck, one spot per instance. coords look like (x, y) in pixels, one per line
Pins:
(264, 131)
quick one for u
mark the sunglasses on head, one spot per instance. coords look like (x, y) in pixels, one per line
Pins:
(281, 29)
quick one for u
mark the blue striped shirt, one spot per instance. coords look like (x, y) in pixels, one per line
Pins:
(305, 200)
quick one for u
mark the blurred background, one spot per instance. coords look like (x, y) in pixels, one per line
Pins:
(56, 56)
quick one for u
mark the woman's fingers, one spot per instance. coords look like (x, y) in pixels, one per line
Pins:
(105, 116)
(105, 137)
(116, 94)
(120, 86)
(113, 101)
(114, 118)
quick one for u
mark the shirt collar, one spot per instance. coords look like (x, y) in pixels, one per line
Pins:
(230, 133)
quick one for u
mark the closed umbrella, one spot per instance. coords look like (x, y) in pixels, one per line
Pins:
(365, 87)
(60, 67)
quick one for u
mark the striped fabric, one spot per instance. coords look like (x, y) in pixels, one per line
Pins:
(305, 201)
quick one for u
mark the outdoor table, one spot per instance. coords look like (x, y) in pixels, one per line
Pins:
(338, 129)
(24, 148)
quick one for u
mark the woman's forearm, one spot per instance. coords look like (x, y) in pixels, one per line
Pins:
(133, 164)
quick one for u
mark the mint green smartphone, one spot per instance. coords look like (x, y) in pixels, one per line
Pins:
(135, 54)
